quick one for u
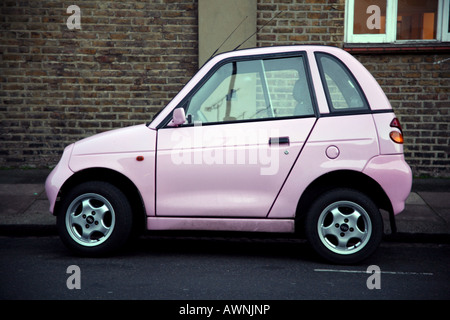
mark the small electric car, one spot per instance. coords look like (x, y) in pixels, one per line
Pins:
(277, 139)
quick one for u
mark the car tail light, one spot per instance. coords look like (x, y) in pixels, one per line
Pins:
(396, 136)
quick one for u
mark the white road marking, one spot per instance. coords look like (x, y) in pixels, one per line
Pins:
(383, 272)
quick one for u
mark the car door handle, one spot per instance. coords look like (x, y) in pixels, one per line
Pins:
(279, 140)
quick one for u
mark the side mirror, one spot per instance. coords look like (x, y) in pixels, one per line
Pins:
(178, 117)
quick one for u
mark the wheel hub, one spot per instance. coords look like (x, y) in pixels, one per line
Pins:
(90, 219)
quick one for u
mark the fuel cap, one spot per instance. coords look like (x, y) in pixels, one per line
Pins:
(332, 152)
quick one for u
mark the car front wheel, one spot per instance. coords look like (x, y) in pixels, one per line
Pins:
(95, 218)
(344, 226)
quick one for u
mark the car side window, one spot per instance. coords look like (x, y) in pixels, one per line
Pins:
(288, 87)
(341, 88)
(251, 90)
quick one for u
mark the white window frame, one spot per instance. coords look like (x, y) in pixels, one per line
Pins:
(390, 36)
(443, 20)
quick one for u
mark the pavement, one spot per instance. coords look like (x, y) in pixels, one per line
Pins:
(24, 208)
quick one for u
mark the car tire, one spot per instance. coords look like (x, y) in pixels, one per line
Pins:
(344, 226)
(94, 219)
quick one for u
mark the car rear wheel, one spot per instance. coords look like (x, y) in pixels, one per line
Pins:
(95, 218)
(344, 226)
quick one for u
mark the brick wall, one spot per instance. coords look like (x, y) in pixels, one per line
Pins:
(131, 57)
(59, 85)
(301, 22)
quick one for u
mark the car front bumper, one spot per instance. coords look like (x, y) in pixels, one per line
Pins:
(58, 177)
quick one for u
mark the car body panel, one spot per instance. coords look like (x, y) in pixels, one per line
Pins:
(382, 122)
(227, 169)
(355, 139)
(319, 92)
(394, 175)
(124, 140)
(221, 224)
(115, 150)
(59, 175)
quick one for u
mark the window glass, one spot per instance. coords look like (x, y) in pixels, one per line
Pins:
(343, 92)
(257, 89)
(417, 19)
(230, 94)
(288, 87)
(369, 17)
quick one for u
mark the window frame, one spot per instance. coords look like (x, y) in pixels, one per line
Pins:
(186, 100)
(444, 20)
(335, 111)
(390, 37)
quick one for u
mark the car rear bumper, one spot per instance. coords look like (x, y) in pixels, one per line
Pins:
(395, 177)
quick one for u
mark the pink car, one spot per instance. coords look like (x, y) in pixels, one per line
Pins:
(279, 139)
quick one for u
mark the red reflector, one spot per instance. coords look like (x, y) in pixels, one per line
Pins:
(140, 158)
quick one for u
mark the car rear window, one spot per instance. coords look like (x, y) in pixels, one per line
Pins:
(341, 88)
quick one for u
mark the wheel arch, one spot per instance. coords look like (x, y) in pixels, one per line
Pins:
(343, 179)
(115, 178)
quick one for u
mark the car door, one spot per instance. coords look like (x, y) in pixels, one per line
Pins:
(247, 122)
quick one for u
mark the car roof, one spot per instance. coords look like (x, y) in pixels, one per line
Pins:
(272, 50)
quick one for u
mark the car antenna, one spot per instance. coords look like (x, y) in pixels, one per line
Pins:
(258, 30)
(229, 36)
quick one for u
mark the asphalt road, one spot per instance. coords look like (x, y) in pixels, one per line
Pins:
(219, 268)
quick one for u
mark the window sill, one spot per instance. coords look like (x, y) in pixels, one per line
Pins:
(410, 47)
